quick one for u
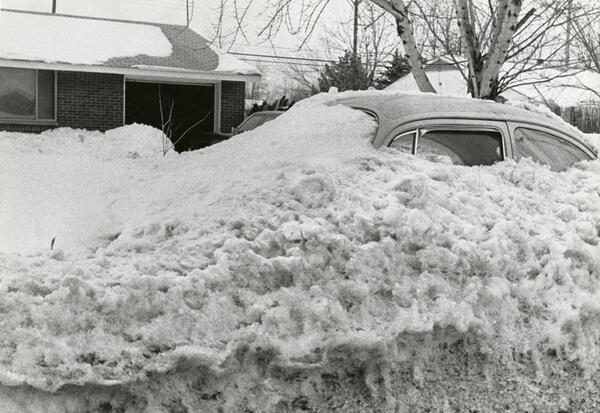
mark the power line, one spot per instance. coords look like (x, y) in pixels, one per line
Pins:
(276, 62)
(294, 49)
(158, 3)
(170, 6)
(306, 59)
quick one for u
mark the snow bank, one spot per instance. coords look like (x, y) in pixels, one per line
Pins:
(295, 267)
(594, 139)
(60, 184)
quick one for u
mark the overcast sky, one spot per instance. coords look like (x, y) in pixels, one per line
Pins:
(173, 11)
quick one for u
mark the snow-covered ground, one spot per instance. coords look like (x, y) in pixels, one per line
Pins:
(291, 267)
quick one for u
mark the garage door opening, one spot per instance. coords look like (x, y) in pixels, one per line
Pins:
(187, 111)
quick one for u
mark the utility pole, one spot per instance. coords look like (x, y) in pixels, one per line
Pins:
(187, 12)
(569, 28)
(53, 6)
(355, 28)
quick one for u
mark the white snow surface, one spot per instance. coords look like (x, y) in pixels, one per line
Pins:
(563, 88)
(445, 82)
(298, 236)
(52, 39)
(571, 88)
(231, 64)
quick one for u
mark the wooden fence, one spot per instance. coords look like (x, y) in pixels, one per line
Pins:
(586, 117)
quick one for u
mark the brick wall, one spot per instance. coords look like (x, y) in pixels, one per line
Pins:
(95, 101)
(90, 100)
(25, 128)
(232, 104)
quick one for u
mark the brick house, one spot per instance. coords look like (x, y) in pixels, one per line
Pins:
(94, 73)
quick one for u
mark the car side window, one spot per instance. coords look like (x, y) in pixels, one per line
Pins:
(404, 142)
(548, 149)
(461, 147)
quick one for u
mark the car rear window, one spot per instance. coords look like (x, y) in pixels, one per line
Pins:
(547, 149)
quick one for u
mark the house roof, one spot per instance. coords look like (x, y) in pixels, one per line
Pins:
(68, 42)
(445, 82)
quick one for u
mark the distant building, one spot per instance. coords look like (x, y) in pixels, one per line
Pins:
(445, 78)
(94, 73)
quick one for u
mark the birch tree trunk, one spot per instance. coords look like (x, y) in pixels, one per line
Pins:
(397, 9)
(471, 45)
(507, 16)
(484, 69)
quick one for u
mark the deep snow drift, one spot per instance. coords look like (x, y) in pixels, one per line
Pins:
(292, 268)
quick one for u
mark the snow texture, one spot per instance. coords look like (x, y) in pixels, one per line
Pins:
(445, 82)
(564, 89)
(229, 63)
(25, 36)
(292, 267)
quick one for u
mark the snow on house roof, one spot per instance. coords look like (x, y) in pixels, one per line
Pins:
(97, 42)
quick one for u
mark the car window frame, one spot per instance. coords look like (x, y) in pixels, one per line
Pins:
(573, 141)
(430, 125)
(372, 114)
(415, 140)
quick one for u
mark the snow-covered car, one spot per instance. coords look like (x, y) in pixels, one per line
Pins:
(255, 120)
(296, 268)
(470, 131)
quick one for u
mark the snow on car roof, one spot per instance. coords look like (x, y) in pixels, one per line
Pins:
(406, 105)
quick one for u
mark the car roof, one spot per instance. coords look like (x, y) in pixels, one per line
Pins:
(404, 107)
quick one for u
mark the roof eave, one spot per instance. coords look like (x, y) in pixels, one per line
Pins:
(146, 73)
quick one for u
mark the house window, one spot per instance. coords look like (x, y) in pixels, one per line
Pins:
(27, 94)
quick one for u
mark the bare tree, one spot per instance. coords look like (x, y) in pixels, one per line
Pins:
(586, 33)
(302, 18)
(539, 40)
(368, 33)
(172, 132)
(305, 75)
(372, 38)
(485, 35)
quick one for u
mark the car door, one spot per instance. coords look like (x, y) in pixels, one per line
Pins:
(547, 146)
(469, 142)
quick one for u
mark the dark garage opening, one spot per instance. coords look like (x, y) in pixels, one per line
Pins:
(190, 108)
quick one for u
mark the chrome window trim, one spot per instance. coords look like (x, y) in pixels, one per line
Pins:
(415, 139)
(574, 141)
(461, 124)
(471, 129)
